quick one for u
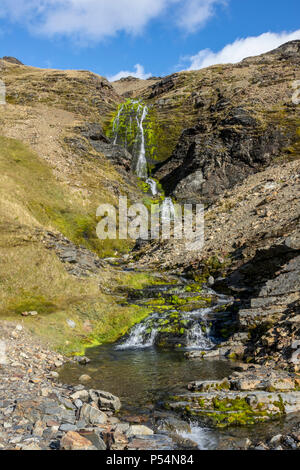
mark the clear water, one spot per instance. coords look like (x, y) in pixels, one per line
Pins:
(142, 377)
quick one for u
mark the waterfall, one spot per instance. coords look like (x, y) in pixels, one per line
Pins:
(167, 210)
(141, 335)
(197, 339)
(142, 167)
(153, 186)
(144, 334)
(128, 130)
(116, 125)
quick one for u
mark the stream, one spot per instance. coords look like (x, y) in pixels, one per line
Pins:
(143, 374)
(149, 364)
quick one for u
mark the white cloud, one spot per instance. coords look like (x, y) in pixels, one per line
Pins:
(98, 19)
(194, 14)
(240, 49)
(139, 73)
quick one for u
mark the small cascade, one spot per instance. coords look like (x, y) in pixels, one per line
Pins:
(198, 339)
(153, 186)
(167, 210)
(141, 335)
(145, 334)
(203, 437)
(142, 167)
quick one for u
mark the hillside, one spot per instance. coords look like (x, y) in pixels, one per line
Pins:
(57, 166)
(227, 136)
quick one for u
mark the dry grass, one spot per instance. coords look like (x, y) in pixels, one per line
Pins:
(33, 278)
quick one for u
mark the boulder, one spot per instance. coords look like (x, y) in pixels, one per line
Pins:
(139, 430)
(105, 400)
(74, 441)
(92, 415)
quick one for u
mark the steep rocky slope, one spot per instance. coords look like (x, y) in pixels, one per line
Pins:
(241, 159)
(57, 166)
(219, 124)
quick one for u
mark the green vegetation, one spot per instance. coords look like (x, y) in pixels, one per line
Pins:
(32, 278)
(231, 412)
(31, 194)
(124, 124)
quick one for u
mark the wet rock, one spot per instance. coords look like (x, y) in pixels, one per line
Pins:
(84, 378)
(83, 360)
(206, 385)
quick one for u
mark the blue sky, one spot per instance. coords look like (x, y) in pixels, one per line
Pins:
(111, 37)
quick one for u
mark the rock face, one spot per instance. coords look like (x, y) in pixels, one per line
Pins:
(231, 138)
(91, 135)
(12, 60)
(211, 158)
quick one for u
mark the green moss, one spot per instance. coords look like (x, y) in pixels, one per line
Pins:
(280, 405)
(124, 125)
(230, 412)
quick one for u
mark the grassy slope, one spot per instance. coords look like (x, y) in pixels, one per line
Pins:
(31, 277)
(57, 189)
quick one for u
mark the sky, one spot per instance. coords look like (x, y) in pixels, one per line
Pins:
(143, 38)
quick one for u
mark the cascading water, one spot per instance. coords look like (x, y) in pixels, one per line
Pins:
(145, 334)
(141, 335)
(142, 167)
(116, 124)
(167, 210)
(153, 186)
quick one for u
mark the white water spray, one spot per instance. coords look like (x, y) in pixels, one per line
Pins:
(141, 167)
(153, 186)
(139, 338)
(116, 124)
(144, 335)
(167, 210)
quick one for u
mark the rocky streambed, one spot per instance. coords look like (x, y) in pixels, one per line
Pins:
(179, 372)
(175, 381)
(39, 413)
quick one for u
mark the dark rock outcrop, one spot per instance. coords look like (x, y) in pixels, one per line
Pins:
(166, 84)
(239, 119)
(91, 135)
(12, 60)
(217, 154)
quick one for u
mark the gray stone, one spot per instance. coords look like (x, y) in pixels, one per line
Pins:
(82, 395)
(67, 427)
(105, 400)
(139, 430)
(92, 415)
